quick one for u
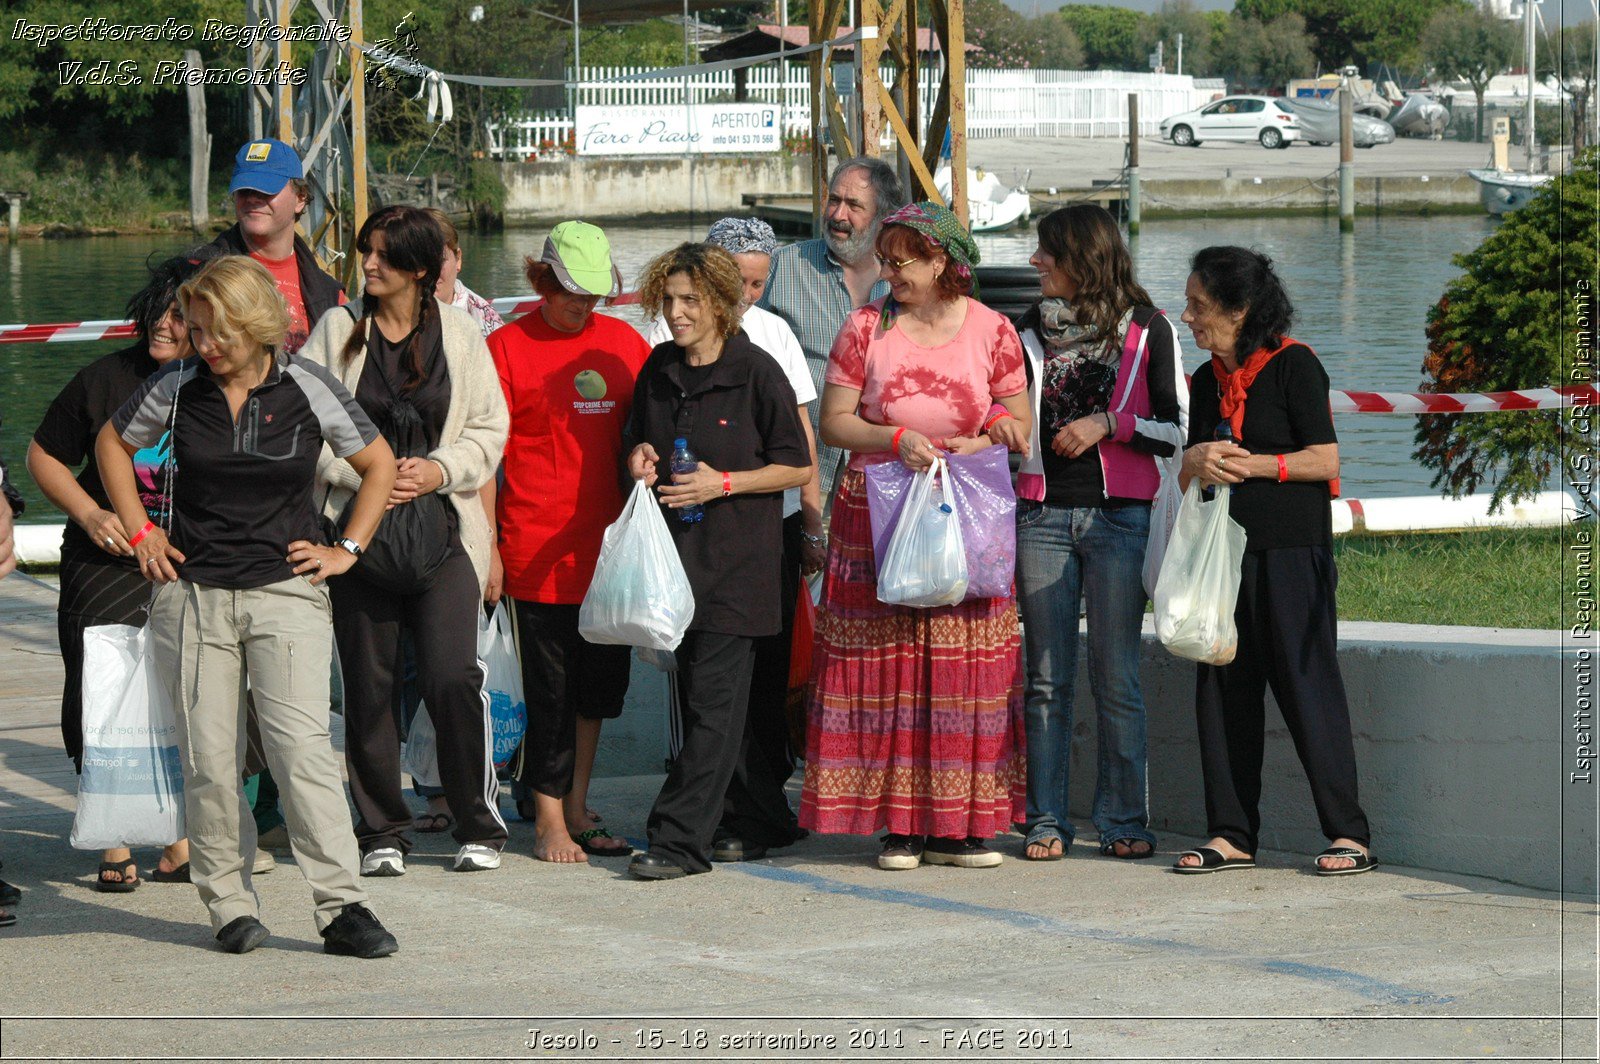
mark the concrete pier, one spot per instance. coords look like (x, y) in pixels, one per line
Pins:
(1083, 959)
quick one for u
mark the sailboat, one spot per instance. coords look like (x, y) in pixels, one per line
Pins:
(1501, 189)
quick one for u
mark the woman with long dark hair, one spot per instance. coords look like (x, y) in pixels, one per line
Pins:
(1260, 424)
(100, 583)
(1109, 400)
(419, 369)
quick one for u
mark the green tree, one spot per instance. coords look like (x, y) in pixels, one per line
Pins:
(1470, 46)
(1109, 35)
(1362, 32)
(1574, 59)
(1011, 40)
(1515, 319)
(1258, 55)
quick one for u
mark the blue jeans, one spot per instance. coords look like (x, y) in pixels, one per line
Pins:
(1062, 553)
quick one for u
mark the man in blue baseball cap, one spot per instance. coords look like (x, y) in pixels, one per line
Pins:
(269, 195)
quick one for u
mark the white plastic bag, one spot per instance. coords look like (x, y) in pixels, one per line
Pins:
(502, 682)
(1199, 585)
(1163, 515)
(421, 759)
(640, 595)
(131, 789)
(926, 562)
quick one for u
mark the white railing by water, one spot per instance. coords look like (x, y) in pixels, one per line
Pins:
(1000, 103)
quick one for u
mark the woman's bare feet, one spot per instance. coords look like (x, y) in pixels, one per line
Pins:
(1046, 849)
(1222, 846)
(551, 840)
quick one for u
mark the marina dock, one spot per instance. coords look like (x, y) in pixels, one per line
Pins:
(1118, 960)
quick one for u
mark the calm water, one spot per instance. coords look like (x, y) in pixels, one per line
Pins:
(1362, 301)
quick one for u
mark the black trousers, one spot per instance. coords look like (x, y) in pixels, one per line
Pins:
(714, 677)
(564, 677)
(756, 808)
(1288, 639)
(367, 621)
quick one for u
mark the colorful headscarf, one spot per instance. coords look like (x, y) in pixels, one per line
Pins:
(740, 236)
(941, 228)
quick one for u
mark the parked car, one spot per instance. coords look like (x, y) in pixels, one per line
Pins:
(1319, 124)
(1266, 119)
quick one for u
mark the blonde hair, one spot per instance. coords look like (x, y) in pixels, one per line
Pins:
(244, 300)
(713, 273)
(452, 239)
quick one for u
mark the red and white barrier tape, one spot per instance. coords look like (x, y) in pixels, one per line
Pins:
(1340, 401)
(74, 332)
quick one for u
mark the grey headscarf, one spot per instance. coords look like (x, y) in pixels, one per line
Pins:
(739, 236)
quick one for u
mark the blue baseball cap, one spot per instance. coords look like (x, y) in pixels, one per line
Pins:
(265, 166)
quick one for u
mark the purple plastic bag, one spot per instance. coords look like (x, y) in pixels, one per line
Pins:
(981, 492)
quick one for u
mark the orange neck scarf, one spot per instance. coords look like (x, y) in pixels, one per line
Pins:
(1233, 388)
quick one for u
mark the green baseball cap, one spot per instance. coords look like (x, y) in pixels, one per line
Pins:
(580, 255)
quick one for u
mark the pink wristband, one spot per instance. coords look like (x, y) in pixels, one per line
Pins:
(727, 485)
(149, 526)
(1283, 469)
(894, 444)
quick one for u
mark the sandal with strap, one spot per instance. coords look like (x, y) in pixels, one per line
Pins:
(1364, 862)
(585, 841)
(1044, 837)
(1109, 849)
(127, 880)
(1211, 860)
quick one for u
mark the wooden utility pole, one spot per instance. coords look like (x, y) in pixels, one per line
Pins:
(1133, 164)
(199, 146)
(1347, 163)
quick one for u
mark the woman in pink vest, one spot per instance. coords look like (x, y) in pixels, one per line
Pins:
(1110, 406)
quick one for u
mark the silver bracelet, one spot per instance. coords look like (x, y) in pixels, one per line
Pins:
(815, 541)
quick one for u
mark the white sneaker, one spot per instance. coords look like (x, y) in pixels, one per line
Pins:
(263, 863)
(386, 861)
(477, 858)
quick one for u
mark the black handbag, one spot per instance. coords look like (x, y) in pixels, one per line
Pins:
(413, 539)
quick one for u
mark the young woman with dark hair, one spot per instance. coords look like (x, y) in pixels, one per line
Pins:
(1280, 458)
(1109, 398)
(100, 584)
(408, 358)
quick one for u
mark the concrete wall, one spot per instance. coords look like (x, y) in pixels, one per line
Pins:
(1464, 746)
(612, 188)
(1454, 192)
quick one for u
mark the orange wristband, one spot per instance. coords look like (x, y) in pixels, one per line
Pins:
(1283, 469)
(727, 485)
(894, 444)
(149, 526)
(992, 422)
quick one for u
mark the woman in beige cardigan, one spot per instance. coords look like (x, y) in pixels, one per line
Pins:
(420, 370)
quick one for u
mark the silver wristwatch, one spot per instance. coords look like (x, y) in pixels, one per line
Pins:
(350, 545)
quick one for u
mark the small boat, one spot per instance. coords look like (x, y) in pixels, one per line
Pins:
(990, 204)
(1504, 191)
(1420, 116)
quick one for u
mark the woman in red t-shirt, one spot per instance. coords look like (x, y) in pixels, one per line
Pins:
(567, 374)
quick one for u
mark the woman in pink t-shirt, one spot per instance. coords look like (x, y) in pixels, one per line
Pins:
(916, 714)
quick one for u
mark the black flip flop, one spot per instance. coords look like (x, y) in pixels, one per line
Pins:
(1211, 860)
(585, 840)
(1110, 849)
(1044, 838)
(433, 823)
(125, 885)
(1364, 862)
(177, 875)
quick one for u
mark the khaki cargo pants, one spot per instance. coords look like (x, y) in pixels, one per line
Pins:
(206, 642)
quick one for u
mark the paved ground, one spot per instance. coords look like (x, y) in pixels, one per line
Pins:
(1068, 162)
(1085, 959)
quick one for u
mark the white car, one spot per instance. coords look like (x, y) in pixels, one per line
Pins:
(1267, 119)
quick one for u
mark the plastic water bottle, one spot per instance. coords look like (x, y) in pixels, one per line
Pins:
(684, 461)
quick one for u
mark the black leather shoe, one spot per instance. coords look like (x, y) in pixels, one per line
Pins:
(9, 895)
(242, 935)
(651, 866)
(355, 932)
(737, 849)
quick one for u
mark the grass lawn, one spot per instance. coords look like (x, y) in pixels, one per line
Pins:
(1494, 578)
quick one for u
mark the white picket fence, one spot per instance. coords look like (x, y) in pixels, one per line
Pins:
(1000, 103)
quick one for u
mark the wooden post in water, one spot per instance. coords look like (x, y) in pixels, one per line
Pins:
(199, 147)
(1133, 164)
(14, 214)
(1347, 164)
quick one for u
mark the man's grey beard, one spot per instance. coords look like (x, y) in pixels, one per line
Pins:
(852, 249)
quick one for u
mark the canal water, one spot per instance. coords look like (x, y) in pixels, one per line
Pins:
(1362, 298)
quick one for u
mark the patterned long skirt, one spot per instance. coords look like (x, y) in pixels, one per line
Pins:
(915, 718)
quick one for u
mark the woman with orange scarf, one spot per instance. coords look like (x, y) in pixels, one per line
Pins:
(1259, 422)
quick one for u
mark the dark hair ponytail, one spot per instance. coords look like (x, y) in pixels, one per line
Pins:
(1242, 279)
(412, 242)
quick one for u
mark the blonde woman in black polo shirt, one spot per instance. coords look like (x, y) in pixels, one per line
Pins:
(242, 597)
(730, 400)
